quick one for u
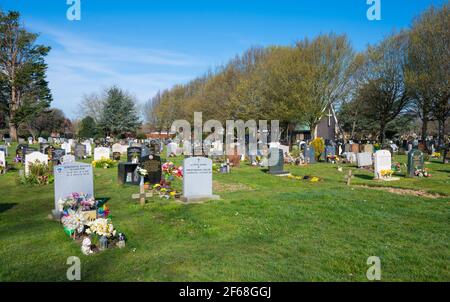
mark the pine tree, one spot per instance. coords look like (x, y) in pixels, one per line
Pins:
(119, 113)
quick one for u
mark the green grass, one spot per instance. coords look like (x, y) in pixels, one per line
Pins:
(265, 228)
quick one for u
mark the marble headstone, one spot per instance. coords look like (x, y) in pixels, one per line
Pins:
(197, 179)
(382, 161)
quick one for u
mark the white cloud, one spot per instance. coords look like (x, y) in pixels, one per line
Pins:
(79, 66)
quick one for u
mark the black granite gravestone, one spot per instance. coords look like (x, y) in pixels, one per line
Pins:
(152, 164)
(127, 174)
(276, 167)
(134, 154)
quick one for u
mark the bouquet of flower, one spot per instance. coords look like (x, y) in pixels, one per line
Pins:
(165, 191)
(77, 201)
(386, 173)
(101, 227)
(422, 173)
(170, 170)
(141, 171)
(104, 163)
(436, 155)
(74, 221)
(332, 158)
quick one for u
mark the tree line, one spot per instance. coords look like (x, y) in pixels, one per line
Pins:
(387, 86)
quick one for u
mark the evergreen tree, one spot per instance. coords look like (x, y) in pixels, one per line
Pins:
(119, 113)
(87, 128)
(24, 90)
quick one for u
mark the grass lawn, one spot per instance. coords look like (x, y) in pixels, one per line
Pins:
(265, 228)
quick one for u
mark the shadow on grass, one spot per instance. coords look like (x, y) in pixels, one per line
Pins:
(6, 206)
(364, 176)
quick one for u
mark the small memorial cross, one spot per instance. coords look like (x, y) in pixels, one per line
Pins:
(349, 177)
(142, 194)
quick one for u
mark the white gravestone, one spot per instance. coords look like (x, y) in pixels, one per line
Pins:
(101, 152)
(364, 159)
(382, 161)
(68, 158)
(172, 149)
(2, 161)
(116, 148)
(197, 179)
(72, 178)
(67, 147)
(35, 157)
(88, 149)
(350, 157)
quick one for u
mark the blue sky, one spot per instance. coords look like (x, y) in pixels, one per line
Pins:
(147, 45)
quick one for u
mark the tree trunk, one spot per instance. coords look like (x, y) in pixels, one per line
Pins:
(441, 129)
(12, 113)
(382, 132)
(424, 128)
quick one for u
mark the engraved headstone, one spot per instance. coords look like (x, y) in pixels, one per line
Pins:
(197, 179)
(382, 161)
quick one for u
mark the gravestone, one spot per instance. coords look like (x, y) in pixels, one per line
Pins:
(197, 179)
(67, 147)
(88, 148)
(21, 140)
(2, 162)
(152, 164)
(21, 151)
(172, 149)
(134, 154)
(350, 157)
(367, 148)
(276, 162)
(80, 151)
(35, 157)
(101, 152)
(4, 149)
(354, 148)
(116, 148)
(72, 178)
(68, 158)
(415, 162)
(347, 148)
(329, 151)
(382, 161)
(49, 151)
(30, 140)
(116, 156)
(364, 159)
(127, 174)
(57, 154)
(309, 154)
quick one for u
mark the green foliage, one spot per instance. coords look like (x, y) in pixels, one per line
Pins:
(88, 128)
(24, 90)
(39, 174)
(119, 113)
(319, 146)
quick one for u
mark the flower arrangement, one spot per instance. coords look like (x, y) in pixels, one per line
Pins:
(386, 173)
(39, 174)
(104, 163)
(422, 173)
(306, 177)
(77, 201)
(141, 171)
(79, 223)
(74, 221)
(332, 158)
(436, 155)
(101, 227)
(165, 191)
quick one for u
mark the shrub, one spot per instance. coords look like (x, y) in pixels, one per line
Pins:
(319, 146)
(104, 163)
(39, 174)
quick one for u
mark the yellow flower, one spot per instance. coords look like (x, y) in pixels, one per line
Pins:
(315, 179)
